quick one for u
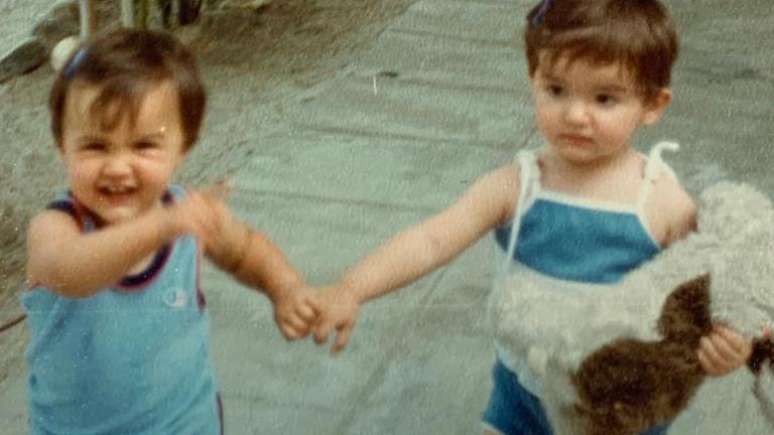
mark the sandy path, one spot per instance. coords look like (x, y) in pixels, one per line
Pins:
(16, 18)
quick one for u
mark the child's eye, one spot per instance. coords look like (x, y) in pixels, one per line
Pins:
(145, 145)
(606, 99)
(94, 146)
(554, 90)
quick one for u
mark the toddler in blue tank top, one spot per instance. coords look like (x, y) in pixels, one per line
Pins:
(580, 212)
(119, 331)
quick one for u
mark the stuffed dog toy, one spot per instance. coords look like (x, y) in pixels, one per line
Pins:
(619, 361)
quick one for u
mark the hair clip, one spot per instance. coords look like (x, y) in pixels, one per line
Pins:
(75, 63)
(541, 13)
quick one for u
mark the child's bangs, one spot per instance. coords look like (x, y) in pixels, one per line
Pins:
(599, 46)
(118, 100)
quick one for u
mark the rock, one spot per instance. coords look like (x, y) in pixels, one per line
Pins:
(60, 22)
(24, 58)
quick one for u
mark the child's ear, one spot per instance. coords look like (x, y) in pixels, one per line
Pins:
(656, 105)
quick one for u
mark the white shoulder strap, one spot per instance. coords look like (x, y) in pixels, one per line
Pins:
(526, 161)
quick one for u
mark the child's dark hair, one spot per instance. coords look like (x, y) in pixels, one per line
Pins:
(638, 34)
(125, 64)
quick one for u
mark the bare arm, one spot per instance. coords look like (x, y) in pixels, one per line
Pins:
(722, 350)
(670, 211)
(681, 211)
(417, 251)
(685, 220)
(78, 265)
(75, 264)
(253, 259)
(434, 242)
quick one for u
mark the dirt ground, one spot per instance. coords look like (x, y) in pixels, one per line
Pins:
(250, 59)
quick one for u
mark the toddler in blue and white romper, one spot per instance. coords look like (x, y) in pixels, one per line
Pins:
(564, 241)
(142, 362)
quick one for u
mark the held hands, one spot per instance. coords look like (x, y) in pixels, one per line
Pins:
(204, 214)
(338, 310)
(298, 311)
(295, 311)
(304, 310)
(723, 351)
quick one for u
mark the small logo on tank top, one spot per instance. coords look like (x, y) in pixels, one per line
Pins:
(176, 299)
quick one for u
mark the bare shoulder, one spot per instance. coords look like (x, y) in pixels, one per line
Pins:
(675, 206)
(504, 179)
(484, 206)
(46, 233)
(52, 222)
(501, 187)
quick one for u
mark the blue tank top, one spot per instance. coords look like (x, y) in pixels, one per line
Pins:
(131, 359)
(580, 240)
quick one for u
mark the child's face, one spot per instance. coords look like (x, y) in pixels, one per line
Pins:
(122, 173)
(589, 112)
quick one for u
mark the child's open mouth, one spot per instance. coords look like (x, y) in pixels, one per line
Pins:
(577, 140)
(116, 194)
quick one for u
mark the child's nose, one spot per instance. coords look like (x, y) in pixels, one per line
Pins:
(117, 165)
(576, 112)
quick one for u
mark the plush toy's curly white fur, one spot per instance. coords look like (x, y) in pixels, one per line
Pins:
(619, 360)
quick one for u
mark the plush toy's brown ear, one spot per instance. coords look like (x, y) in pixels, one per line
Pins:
(685, 316)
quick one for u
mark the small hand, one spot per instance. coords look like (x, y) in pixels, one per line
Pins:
(338, 310)
(295, 311)
(723, 351)
(202, 214)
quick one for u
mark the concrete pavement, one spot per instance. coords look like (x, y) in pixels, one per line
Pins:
(439, 98)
